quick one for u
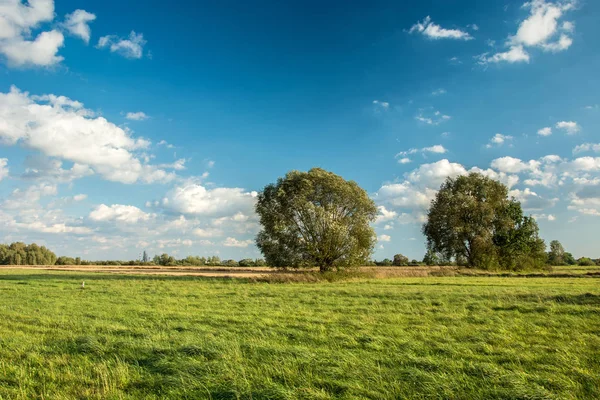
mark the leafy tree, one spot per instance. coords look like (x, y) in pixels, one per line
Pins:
(400, 260)
(246, 262)
(431, 258)
(19, 253)
(556, 255)
(145, 257)
(315, 218)
(473, 221)
(586, 262)
(569, 259)
(386, 262)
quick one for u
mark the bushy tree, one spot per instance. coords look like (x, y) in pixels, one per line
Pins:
(585, 262)
(569, 259)
(19, 253)
(400, 260)
(472, 221)
(556, 255)
(315, 218)
(246, 262)
(431, 258)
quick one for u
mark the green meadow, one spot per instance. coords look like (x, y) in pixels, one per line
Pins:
(150, 337)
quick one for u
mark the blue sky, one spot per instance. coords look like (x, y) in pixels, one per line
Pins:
(124, 128)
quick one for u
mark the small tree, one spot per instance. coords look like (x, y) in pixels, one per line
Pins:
(431, 258)
(556, 255)
(400, 260)
(315, 218)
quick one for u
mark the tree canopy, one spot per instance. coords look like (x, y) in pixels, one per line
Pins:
(315, 218)
(19, 253)
(473, 221)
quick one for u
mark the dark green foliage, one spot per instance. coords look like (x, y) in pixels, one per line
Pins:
(431, 258)
(556, 255)
(472, 221)
(586, 262)
(19, 253)
(569, 259)
(315, 218)
(400, 260)
(386, 262)
(246, 262)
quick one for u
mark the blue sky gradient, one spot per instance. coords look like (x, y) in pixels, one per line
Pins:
(233, 95)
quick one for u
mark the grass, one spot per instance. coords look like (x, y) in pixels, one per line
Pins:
(152, 337)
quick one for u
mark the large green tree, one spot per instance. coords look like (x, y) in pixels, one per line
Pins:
(473, 221)
(315, 219)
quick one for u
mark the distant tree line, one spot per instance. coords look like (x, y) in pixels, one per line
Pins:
(557, 256)
(19, 253)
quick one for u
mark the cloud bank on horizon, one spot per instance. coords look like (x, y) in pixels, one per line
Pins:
(85, 171)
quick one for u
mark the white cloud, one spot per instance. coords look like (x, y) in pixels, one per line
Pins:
(548, 217)
(80, 197)
(570, 127)
(233, 242)
(540, 29)
(547, 131)
(132, 47)
(385, 215)
(136, 116)
(513, 55)
(513, 165)
(17, 19)
(195, 199)
(119, 212)
(4, 170)
(434, 118)
(531, 200)
(498, 140)
(438, 92)
(587, 147)
(434, 31)
(436, 149)
(381, 105)
(64, 129)
(384, 238)
(77, 23)
(42, 51)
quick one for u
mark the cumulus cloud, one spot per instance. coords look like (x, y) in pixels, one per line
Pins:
(137, 116)
(385, 215)
(233, 242)
(77, 23)
(384, 238)
(570, 127)
(17, 19)
(498, 140)
(195, 199)
(61, 128)
(531, 200)
(433, 31)
(587, 147)
(541, 29)
(119, 212)
(547, 131)
(131, 47)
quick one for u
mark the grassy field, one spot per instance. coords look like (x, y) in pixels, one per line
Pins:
(151, 337)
